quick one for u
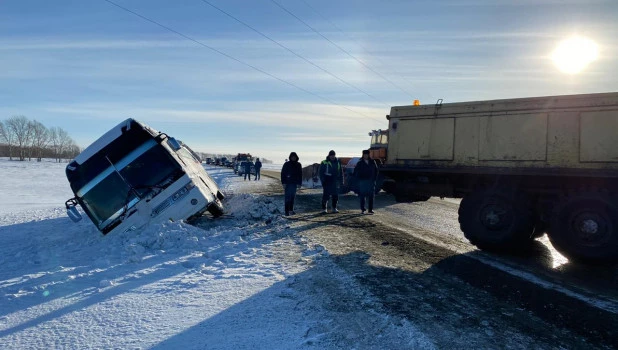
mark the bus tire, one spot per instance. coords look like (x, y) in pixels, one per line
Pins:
(216, 209)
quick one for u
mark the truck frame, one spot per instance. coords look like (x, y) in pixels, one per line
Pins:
(522, 167)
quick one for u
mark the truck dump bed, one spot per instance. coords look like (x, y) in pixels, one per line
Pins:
(576, 133)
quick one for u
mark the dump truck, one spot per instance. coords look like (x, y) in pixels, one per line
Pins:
(522, 167)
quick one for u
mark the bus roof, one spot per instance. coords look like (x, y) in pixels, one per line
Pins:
(107, 138)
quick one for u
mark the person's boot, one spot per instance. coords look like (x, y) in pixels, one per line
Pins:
(335, 210)
(287, 209)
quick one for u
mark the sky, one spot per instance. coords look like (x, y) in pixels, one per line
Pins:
(274, 76)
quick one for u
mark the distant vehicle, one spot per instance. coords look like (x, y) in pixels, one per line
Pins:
(209, 161)
(240, 157)
(522, 167)
(241, 169)
(350, 182)
(134, 175)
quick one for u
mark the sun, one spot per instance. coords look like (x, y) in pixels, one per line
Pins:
(574, 54)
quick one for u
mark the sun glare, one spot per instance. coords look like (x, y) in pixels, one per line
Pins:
(574, 54)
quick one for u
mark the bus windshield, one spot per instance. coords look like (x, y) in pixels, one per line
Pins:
(144, 172)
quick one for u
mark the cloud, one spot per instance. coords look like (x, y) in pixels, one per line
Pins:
(276, 113)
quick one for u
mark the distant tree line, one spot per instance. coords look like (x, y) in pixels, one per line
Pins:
(22, 139)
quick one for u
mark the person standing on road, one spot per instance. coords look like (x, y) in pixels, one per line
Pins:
(292, 179)
(331, 176)
(258, 166)
(248, 170)
(366, 172)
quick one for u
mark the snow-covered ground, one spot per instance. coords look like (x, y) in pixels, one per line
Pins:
(245, 281)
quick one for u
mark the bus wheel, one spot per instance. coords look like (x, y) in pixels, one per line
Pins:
(496, 220)
(584, 227)
(216, 209)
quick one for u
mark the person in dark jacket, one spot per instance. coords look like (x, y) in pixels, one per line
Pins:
(258, 166)
(247, 166)
(292, 179)
(366, 173)
(331, 176)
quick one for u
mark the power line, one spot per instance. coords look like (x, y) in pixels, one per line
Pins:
(294, 53)
(342, 49)
(351, 38)
(236, 59)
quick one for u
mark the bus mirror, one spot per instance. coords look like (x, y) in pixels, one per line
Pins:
(173, 143)
(74, 214)
(72, 210)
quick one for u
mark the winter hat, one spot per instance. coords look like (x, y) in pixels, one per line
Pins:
(293, 154)
(331, 153)
(365, 151)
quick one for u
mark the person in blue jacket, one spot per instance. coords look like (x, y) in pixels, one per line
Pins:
(258, 166)
(366, 172)
(331, 176)
(248, 170)
(292, 179)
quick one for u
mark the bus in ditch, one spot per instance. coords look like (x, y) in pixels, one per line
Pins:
(134, 175)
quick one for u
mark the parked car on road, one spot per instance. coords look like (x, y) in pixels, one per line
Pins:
(241, 168)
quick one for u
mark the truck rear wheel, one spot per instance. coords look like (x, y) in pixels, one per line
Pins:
(496, 220)
(584, 227)
(215, 209)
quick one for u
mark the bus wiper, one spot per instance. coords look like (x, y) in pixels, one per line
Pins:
(160, 187)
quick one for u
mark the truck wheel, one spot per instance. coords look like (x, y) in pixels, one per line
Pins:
(584, 227)
(496, 220)
(539, 230)
(216, 209)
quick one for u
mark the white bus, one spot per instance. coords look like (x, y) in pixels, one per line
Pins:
(134, 175)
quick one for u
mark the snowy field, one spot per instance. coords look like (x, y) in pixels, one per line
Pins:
(245, 281)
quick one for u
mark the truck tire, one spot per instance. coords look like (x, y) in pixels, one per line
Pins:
(216, 209)
(497, 220)
(584, 227)
(540, 228)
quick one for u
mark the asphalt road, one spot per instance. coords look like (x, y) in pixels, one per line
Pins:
(415, 260)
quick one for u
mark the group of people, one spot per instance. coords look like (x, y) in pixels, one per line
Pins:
(331, 177)
(257, 166)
